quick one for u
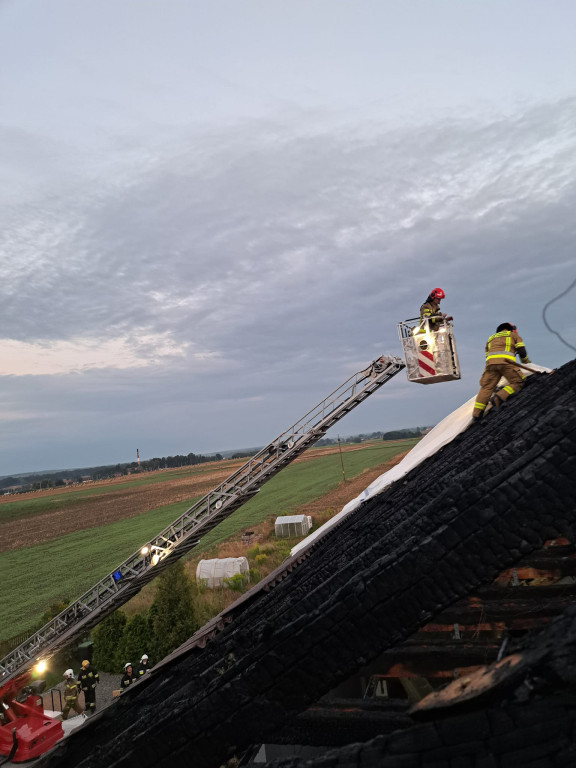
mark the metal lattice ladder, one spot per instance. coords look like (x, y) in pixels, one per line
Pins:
(184, 533)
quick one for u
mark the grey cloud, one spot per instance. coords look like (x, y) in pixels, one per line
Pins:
(291, 255)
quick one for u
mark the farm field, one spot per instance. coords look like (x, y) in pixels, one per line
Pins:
(50, 514)
(59, 550)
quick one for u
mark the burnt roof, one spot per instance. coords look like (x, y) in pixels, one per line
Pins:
(495, 493)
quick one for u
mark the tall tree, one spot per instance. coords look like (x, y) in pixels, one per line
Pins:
(173, 611)
(135, 641)
(107, 637)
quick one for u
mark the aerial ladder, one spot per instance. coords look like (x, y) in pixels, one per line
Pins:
(185, 532)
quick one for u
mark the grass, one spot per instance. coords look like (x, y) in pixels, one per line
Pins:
(299, 483)
(34, 577)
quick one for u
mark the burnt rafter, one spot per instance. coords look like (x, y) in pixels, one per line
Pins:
(518, 712)
(494, 494)
(340, 721)
(508, 606)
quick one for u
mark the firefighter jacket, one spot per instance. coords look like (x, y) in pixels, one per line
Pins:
(88, 677)
(143, 668)
(429, 311)
(126, 680)
(503, 347)
(71, 689)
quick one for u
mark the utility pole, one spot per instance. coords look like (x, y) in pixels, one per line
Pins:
(341, 459)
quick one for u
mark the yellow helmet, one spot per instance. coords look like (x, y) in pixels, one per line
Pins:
(85, 663)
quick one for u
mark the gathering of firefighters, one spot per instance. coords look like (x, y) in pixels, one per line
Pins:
(131, 675)
(86, 682)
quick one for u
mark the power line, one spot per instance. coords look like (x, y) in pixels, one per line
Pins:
(572, 284)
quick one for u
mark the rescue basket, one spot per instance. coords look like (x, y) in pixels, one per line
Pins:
(430, 355)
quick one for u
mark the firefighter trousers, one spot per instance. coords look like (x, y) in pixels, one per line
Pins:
(71, 704)
(489, 381)
(90, 699)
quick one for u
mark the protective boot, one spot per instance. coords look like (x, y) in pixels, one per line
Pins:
(496, 401)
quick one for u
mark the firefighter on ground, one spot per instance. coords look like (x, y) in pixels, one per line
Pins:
(501, 350)
(430, 310)
(71, 691)
(143, 667)
(88, 679)
(128, 677)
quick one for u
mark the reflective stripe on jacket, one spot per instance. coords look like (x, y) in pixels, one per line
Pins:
(126, 680)
(88, 677)
(430, 312)
(504, 346)
(70, 689)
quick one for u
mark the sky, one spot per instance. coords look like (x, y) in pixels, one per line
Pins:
(213, 214)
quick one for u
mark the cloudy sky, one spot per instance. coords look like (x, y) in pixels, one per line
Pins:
(214, 213)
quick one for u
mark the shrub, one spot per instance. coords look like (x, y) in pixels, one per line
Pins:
(253, 552)
(136, 640)
(236, 583)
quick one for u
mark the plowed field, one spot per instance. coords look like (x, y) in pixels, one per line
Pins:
(68, 510)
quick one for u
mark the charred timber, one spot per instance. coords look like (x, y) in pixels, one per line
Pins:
(341, 722)
(519, 712)
(493, 495)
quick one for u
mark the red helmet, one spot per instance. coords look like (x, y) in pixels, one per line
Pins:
(437, 293)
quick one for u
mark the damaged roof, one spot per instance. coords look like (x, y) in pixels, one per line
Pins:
(492, 495)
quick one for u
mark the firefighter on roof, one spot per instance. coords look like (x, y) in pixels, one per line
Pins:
(501, 350)
(430, 310)
(88, 679)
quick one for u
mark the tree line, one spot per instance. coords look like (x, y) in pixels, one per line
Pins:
(398, 434)
(60, 478)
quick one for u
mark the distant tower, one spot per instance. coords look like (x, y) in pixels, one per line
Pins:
(138, 458)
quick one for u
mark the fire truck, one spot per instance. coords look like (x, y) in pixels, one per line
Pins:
(25, 730)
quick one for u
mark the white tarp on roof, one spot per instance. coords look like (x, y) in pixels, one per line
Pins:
(442, 434)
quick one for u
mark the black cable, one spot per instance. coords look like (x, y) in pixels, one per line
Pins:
(572, 284)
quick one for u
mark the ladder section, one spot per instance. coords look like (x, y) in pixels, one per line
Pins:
(184, 533)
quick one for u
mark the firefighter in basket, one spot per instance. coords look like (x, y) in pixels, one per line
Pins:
(430, 310)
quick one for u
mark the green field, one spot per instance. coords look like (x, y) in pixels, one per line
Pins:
(34, 577)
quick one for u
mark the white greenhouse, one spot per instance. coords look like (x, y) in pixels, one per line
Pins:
(213, 572)
(292, 525)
